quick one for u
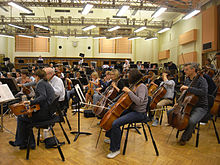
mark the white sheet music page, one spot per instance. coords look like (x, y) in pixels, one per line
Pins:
(5, 93)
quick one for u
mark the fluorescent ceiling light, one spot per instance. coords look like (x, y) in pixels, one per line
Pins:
(61, 36)
(115, 37)
(86, 9)
(152, 38)
(42, 27)
(88, 27)
(15, 26)
(158, 12)
(4, 35)
(25, 36)
(99, 37)
(140, 29)
(114, 28)
(19, 7)
(82, 37)
(43, 36)
(122, 10)
(163, 30)
(133, 38)
(189, 15)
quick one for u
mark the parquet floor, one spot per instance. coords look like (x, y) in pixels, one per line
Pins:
(139, 151)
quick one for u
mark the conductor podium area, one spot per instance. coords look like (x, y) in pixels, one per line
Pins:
(139, 151)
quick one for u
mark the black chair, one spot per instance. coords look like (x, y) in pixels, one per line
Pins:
(45, 125)
(165, 108)
(145, 121)
(198, 128)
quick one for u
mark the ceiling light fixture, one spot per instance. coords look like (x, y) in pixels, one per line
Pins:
(163, 30)
(158, 12)
(133, 38)
(20, 7)
(61, 36)
(152, 38)
(42, 27)
(114, 28)
(42, 36)
(122, 10)
(191, 14)
(140, 29)
(88, 27)
(112, 38)
(86, 9)
(82, 37)
(4, 35)
(99, 37)
(15, 26)
(25, 36)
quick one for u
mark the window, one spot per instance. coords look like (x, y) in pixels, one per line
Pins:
(23, 44)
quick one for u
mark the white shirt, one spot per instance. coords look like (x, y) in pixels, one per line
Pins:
(58, 87)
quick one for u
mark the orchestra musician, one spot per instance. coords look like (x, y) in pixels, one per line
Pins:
(208, 64)
(44, 96)
(167, 99)
(136, 112)
(200, 89)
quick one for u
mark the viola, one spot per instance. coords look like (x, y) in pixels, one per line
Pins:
(123, 103)
(21, 109)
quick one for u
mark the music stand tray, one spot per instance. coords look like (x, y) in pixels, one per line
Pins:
(80, 100)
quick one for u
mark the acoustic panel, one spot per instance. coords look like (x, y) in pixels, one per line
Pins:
(188, 37)
(164, 55)
(187, 57)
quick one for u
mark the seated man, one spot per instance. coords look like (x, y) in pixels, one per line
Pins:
(44, 96)
(200, 109)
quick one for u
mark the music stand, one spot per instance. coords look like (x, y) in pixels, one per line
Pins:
(5, 96)
(81, 99)
(11, 83)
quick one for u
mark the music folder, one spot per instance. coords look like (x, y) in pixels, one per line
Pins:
(5, 93)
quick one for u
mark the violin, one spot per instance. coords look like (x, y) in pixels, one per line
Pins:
(123, 103)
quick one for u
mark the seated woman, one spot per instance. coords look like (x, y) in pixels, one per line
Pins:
(44, 96)
(136, 112)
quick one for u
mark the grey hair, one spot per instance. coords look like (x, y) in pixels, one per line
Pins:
(192, 65)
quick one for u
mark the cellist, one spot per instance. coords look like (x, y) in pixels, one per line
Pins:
(136, 112)
(200, 89)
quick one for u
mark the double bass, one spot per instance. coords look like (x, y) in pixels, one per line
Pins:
(123, 103)
(179, 117)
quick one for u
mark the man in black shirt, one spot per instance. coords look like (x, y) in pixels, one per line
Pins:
(200, 89)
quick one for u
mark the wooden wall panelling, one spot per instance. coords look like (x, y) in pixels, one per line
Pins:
(123, 45)
(164, 54)
(188, 37)
(209, 28)
(188, 57)
(23, 44)
(40, 45)
(106, 46)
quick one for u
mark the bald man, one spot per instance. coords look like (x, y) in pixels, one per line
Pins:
(56, 83)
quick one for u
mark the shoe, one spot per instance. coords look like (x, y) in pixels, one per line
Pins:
(113, 154)
(12, 143)
(182, 142)
(22, 147)
(155, 123)
(107, 141)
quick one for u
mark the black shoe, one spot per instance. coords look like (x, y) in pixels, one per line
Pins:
(22, 147)
(12, 143)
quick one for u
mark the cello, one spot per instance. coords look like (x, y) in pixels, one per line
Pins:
(216, 106)
(179, 117)
(123, 103)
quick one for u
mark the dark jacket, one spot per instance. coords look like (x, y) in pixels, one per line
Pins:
(44, 95)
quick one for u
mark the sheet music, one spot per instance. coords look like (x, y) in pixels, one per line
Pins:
(5, 93)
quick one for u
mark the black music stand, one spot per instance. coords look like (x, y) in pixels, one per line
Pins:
(81, 99)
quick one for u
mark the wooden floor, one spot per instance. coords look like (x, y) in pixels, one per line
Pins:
(139, 151)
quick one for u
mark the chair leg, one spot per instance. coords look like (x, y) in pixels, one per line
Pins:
(28, 144)
(145, 135)
(67, 139)
(68, 123)
(177, 134)
(122, 131)
(197, 136)
(38, 136)
(152, 138)
(161, 117)
(216, 132)
(126, 140)
(58, 145)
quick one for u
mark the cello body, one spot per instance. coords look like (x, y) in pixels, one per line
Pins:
(216, 106)
(151, 89)
(159, 93)
(115, 112)
(179, 117)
